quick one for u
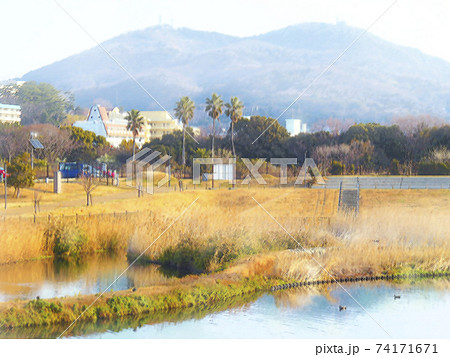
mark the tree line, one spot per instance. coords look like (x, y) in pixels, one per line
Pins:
(408, 145)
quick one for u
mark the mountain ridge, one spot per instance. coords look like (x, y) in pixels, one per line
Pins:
(373, 81)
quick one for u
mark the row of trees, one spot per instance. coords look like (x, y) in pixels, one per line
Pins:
(361, 148)
(184, 111)
(409, 145)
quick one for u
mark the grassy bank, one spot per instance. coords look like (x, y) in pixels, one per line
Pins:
(83, 328)
(199, 292)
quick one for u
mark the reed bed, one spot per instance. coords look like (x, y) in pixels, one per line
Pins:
(395, 230)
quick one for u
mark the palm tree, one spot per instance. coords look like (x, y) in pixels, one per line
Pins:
(234, 112)
(135, 124)
(214, 106)
(184, 111)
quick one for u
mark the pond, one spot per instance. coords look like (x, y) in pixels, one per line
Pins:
(307, 312)
(47, 278)
(421, 312)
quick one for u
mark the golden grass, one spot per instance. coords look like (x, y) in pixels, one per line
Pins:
(412, 228)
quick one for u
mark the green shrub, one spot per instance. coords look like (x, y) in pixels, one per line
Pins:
(434, 168)
(337, 168)
(352, 169)
(66, 241)
(394, 169)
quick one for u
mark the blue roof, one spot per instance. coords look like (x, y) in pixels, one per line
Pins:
(9, 106)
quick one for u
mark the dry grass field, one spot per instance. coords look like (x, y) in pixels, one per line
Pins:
(213, 230)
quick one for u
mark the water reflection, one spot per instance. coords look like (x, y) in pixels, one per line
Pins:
(49, 278)
(422, 311)
(307, 312)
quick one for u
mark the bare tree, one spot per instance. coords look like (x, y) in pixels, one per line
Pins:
(325, 154)
(411, 124)
(89, 183)
(57, 142)
(333, 125)
(13, 141)
(412, 127)
(36, 202)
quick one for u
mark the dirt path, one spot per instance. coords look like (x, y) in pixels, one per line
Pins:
(28, 210)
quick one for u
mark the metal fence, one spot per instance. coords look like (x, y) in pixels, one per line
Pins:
(75, 218)
(388, 182)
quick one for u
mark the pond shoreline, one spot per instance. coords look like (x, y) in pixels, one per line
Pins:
(191, 292)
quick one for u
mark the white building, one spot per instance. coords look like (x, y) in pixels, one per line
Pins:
(113, 125)
(224, 172)
(10, 113)
(158, 123)
(295, 126)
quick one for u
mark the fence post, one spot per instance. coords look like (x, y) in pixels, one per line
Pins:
(340, 195)
(357, 195)
(76, 218)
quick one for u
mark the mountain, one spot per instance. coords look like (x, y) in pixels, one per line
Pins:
(373, 81)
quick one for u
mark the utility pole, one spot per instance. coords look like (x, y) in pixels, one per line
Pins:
(306, 171)
(6, 187)
(32, 158)
(170, 173)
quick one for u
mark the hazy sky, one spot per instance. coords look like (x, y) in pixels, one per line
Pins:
(37, 32)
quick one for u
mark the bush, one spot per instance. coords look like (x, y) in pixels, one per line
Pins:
(66, 241)
(352, 169)
(434, 168)
(394, 169)
(337, 168)
(22, 175)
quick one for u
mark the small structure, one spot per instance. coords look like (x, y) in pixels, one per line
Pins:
(57, 182)
(224, 172)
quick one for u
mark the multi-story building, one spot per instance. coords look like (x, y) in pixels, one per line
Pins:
(158, 123)
(113, 125)
(10, 113)
(295, 126)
